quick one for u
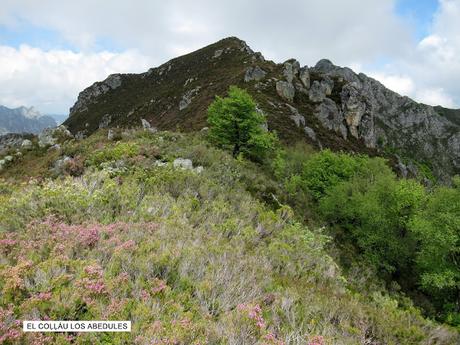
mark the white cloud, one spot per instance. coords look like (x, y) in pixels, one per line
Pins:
(430, 73)
(405, 85)
(402, 84)
(435, 97)
(51, 80)
(350, 33)
(347, 31)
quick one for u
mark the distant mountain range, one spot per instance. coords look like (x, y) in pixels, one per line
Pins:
(23, 120)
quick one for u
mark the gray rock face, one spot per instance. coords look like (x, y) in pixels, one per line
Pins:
(352, 106)
(291, 70)
(304, 76)
(90, 94)
(105, 121)
(187, 98)
(317, 92)
(327, 85)
(369, 111)
(60, 164)
(217, 53)
(285, 90)
(11, 141)
(254, 73)
(51, 136)
(186, 164)
(296, 117)
(310, 133)
(331, 117)
(264, 125)
(26, 144)
(145, 124)
(183, 163)
(110, 135)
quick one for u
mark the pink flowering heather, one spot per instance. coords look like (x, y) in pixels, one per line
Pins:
(11, 334)
(159, 286)
(94, 270)
(115, 306)
(89, 236)
(9, 326)
(43, 296)
(157, 325)
(128, 245)
(98, 286)
(94, 284)
(316, 340)
(123, 277)
(145, 295)
(7, 242)
(183, 323)
(40, 339)
(254, 312)
(271, 339)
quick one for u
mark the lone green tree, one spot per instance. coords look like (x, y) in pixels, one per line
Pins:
(236, 125)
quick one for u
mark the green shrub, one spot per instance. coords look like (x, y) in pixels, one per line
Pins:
(121, 150)
(326, 169)
(375, 210)
(437, 226)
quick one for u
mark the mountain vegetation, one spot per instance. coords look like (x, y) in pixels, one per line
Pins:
(325, 105)
(238, 207)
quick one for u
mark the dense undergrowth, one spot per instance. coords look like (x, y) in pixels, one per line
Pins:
(233, 254)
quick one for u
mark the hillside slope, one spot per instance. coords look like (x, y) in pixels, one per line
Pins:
(188, 251)
(326, 105)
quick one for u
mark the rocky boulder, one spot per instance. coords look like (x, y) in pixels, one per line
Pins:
(254, 73)
(304, 76)
(188, 97)
(26, 144)
(291, 69)
(298, 119)
(11, 141)
(90, 94)
(331, 117)
(52, 136)
(186, 164)
(285, 90)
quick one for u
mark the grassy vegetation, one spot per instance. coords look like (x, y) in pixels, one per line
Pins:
(233, 255)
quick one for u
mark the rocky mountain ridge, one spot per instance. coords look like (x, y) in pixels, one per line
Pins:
(23, 120)
(326, 105)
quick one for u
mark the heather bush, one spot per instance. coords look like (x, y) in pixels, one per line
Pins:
(119, 150)
(189, 258)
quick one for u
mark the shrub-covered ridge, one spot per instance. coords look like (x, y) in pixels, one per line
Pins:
(211, 257)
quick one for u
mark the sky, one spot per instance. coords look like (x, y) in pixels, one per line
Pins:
(50, 50)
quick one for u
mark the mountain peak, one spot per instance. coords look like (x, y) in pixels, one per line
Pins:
(23, 119)
(324, 65)
(30, 112)
(326, 105)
